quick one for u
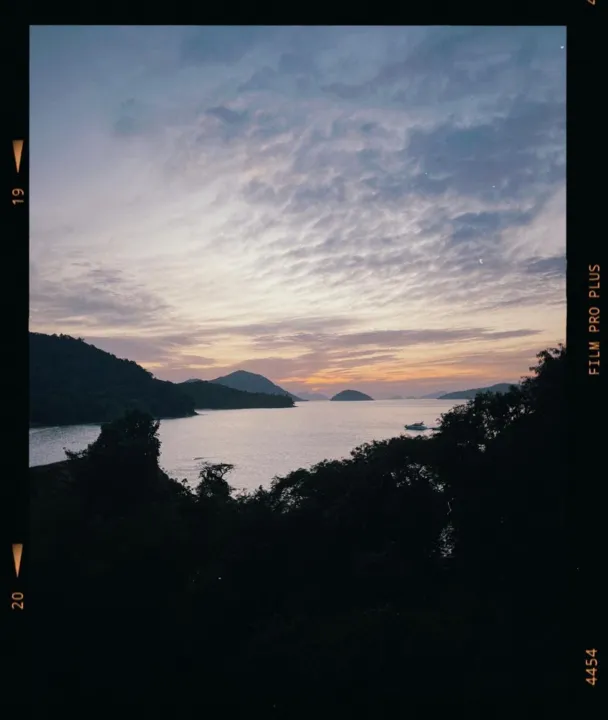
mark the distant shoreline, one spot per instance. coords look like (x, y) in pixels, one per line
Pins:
(198, 411)
(57, 464)
(45, 426)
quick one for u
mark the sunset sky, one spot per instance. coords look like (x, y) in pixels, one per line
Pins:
(375, 208)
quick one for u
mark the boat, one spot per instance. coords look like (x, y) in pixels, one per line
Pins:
(416, 426)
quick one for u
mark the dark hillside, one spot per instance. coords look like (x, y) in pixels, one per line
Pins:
(73, 382)
(212, 396)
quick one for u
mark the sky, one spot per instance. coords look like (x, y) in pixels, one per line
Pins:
(376, 208)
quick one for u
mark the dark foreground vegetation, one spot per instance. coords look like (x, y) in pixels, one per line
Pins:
(417, 571)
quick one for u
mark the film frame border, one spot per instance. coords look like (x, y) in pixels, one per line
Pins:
(586, 454)
(15, 290)
(584, 268)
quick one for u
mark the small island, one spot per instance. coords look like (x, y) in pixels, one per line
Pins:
(351, 395)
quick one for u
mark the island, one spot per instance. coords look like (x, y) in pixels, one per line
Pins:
(351, 395)
(253, 383)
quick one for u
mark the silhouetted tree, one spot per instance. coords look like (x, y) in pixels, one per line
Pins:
(414, 569)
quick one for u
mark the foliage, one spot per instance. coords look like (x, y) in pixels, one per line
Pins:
(333, 587)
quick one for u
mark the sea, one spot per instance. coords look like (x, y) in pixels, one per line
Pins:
(260, 443)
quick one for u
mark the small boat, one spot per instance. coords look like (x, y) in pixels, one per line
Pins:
(416, 426)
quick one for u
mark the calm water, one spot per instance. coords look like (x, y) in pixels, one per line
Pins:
(259, 443)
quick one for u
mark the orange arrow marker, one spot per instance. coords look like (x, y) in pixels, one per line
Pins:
(17, 550)
(17, 151)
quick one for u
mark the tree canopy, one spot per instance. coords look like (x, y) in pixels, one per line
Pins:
(414, 570)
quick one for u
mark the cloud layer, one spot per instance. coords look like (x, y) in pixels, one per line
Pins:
(326, 206)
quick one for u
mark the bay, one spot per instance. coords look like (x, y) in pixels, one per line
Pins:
(260, 443)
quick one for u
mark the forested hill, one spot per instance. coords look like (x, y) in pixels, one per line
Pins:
(469, 394)
(252, 383)
(73, 382)
(212, 396)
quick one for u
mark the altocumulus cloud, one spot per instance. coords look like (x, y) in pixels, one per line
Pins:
(277, 198)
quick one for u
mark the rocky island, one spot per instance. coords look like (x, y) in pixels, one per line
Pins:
(351, 395)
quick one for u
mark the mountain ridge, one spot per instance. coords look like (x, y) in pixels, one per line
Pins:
(73, 382)
(471, 393)
(306, 396)
(214, 396)
(432, 396)
(252, 382)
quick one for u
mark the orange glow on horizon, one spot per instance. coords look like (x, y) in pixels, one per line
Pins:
(373, 376)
